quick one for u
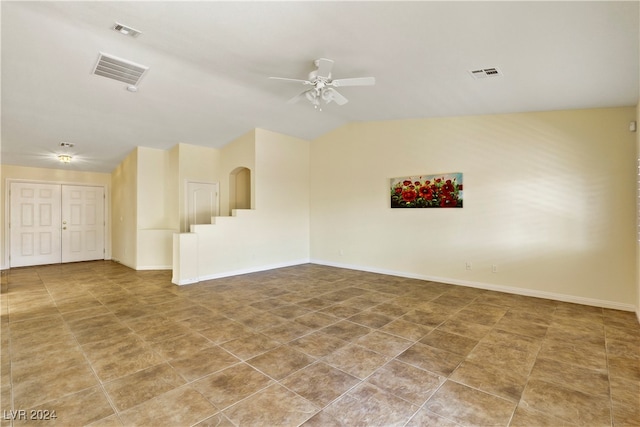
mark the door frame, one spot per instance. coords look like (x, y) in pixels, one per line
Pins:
(7, 212)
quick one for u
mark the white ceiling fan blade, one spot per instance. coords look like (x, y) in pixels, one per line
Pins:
(304, 82)
(298, 97)
(324, 67)
(356, 81)
(335, 96)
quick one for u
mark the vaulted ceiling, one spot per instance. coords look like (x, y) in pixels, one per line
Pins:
(209, 64)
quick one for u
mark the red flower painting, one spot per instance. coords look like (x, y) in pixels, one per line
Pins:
(427, 191)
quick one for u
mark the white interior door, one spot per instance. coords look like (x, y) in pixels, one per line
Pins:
(82, 223)
(202, 203)
(53, 223)
(35, 224)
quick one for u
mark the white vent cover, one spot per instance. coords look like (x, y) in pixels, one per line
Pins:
(126, 30)
(119, 69)
(483, 73)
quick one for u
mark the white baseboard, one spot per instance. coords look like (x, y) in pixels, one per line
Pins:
(242, 271)
(154, 267)
(491, 287)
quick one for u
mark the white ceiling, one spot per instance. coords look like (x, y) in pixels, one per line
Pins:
(209, 64)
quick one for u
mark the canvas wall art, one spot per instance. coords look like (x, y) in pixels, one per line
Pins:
(427, 191)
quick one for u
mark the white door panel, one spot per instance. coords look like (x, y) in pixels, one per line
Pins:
(53, 223)
(82, 223)
(34, 221)
(202, 203)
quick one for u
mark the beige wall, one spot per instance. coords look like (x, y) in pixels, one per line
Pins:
(10, 173)
(549, 198)
(638, 213)
(241, 152)
(282, 190)
(274, 233)
(124, 208)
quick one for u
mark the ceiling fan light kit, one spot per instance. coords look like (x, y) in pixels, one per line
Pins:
(323, 85)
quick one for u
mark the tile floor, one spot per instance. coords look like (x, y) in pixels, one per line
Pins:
(310, 345)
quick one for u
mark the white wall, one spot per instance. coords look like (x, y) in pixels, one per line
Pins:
(548, 199)
(61, 176)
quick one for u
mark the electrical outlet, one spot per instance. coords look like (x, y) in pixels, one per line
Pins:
(494, 268)
(468, 265)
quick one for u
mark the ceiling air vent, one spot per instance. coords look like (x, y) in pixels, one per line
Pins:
(119, 69)
(126, 30)
(483, 73)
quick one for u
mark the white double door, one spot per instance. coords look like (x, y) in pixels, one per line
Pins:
(54, 223)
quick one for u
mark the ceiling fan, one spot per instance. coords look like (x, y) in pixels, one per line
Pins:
(322, 89)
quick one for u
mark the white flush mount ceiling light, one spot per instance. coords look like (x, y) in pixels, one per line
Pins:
(126, 30)
(65, 157)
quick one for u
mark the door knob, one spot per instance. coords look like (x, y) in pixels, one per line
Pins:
(64, 228)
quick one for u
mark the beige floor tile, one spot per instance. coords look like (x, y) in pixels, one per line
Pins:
(346, 330)
(458, 326)
(566, 404)
(591, 381)
(331, 347)
(217, 420)
(316, 320)
(231, 385)
(425, 418)
(356, 360)
(449, 342)
(406, 381)
(370, 319)
(81, 408)
(203, 362)
(320, 383)
(273, 406)
(468, 406)
(280, 362)
(286, 332)
(225, 330)
(340, 310)
(624, 367)
(502, 381)
(432, 359)
(318, 344)
(250, 345)
(42, 387)
(384, 343)
(503, 355)
(525, 417)
(120, 356)
(409, 330)
(179, 407)
(141, 386)
(368, 405)
(624, 399)
(181, 346)
(583, 354)
(422, 317)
